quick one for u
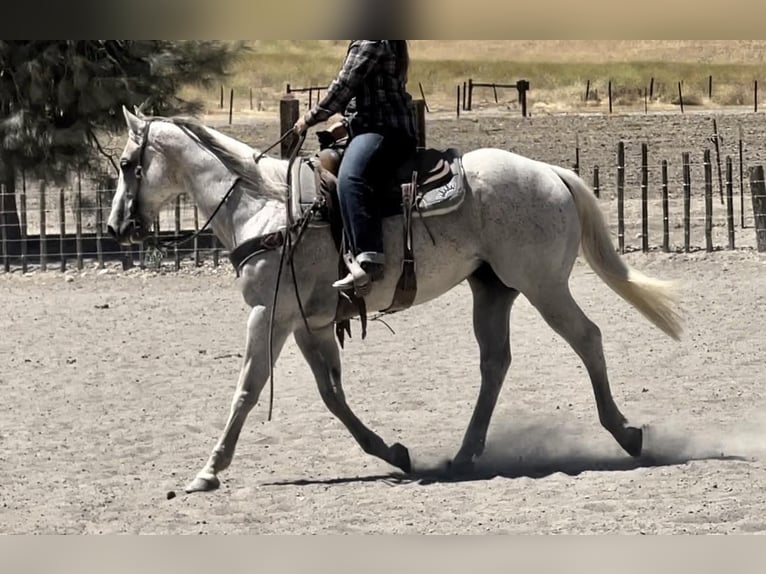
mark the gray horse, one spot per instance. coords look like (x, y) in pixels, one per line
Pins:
(518, 230)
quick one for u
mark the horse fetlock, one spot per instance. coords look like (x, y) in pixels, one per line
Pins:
(612, 420)
(219, 461)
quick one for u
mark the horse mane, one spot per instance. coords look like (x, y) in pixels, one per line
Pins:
(225, 150)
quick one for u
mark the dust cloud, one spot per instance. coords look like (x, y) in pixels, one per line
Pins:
(536, 450)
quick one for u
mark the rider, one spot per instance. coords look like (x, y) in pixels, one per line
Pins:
(383, 134)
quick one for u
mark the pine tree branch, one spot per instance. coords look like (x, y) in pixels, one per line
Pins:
(94, 139)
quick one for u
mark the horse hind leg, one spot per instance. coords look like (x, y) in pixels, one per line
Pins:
(321, 353)
(492, 302)
(561, 312)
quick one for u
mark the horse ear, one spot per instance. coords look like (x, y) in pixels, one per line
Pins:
(135, 124)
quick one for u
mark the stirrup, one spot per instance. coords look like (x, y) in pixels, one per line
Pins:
(357, 277)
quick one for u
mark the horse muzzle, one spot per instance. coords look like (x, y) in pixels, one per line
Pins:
(127, 233)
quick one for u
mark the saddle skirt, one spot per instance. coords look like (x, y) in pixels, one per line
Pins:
(440, 185)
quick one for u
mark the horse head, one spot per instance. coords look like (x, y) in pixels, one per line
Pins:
(143, 185)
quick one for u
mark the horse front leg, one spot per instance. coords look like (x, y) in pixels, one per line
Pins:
(321, 352)
(252, 378)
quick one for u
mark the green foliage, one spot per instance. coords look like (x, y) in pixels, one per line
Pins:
(57, 96)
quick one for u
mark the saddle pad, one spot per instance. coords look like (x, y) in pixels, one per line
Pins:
(445, 198)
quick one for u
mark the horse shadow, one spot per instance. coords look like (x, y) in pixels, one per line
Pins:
(537, 452)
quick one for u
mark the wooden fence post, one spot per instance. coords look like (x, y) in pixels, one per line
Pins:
(596, 186)
(4, 234)
(621, 196)
(665, 215)
(470, 94)
(610, 96)
(289, 112)
(78, 221)
(43, 230)
(23, 217)
(177, 227)
(577, 154)
(196, 237)
(99, 225)
(687, 201)
(708, 165)
(758, 193)
(523, 87)
(680, 97)
(458, 101)
(730, 201)
(644, 197)
(62, 229)
(741, 181)
(231, 105)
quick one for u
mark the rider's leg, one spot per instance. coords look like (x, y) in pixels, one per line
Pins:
(370, 158)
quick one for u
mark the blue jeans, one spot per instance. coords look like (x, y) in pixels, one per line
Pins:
(368, 164)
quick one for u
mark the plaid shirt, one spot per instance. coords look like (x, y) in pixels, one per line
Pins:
(371, 78)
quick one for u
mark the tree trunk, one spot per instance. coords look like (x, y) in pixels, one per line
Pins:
(9, 213)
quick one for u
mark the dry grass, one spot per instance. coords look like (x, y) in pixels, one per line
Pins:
(595, 51)
(557, 69)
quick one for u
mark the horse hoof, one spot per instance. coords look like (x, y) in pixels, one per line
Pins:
(634, 440)
(400, 457)
(203, 484)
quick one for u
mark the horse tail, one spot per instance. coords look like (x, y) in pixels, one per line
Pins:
(654, 298)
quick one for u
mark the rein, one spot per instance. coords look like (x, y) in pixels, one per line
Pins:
(288, 250)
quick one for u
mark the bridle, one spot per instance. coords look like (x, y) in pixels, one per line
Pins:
(134, 218)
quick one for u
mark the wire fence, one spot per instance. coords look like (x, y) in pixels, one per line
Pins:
(68, 229)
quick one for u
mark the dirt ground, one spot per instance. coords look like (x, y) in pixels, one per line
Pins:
(117, 384)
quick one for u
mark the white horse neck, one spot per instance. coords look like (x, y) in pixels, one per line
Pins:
(207, 181)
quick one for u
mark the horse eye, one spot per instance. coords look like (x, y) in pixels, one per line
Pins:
(124, 163)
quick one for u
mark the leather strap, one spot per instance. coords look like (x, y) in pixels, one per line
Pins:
(255, 245)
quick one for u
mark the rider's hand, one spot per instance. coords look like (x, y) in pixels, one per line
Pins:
(300, 126)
